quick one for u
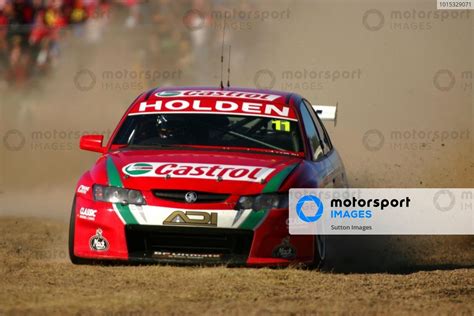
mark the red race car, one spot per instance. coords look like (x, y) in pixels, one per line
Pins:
(201, 175)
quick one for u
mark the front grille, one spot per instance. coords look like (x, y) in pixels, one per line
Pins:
(178, 196)
(188, 244)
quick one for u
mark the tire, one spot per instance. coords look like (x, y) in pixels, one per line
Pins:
(72, 228)
(319, 251)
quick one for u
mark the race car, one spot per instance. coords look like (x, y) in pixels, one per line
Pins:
(201, 175)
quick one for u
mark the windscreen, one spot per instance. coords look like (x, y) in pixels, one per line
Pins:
(155, 130)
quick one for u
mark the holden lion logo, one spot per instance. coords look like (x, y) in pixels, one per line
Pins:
(313, 204)
(191, 197)
(98, 242)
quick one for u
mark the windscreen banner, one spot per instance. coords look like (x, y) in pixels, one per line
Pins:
(381, 212)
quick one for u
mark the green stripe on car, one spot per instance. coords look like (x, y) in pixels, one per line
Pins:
(256, 217)
(274, 184)
(115, 181)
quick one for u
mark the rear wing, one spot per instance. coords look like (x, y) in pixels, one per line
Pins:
(326, 112)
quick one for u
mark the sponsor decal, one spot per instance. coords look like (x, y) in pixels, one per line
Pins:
(98, 241)
(198, 171)
(254, 108)
(219, 94)
(227, 218)
(139, 169)
(83, 189)
(195, 218)
(168, 93)
(285, 250)
(185, 256)
(87, 213)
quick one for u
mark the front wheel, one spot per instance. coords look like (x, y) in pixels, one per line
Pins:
(72, 227)
(319, 251)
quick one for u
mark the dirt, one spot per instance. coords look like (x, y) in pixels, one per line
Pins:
(37, 278)
(395, 91)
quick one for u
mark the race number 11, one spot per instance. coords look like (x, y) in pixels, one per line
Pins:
(281, 125)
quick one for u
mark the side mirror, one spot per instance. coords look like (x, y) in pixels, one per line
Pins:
(92, 143)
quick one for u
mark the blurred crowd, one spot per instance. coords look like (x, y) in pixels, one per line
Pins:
(30, 33)
(170, 34)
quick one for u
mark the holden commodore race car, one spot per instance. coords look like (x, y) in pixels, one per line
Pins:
(201, 175)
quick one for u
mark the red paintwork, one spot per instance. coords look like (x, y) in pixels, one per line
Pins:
(92, 143)
(267, 235)
(108, 221)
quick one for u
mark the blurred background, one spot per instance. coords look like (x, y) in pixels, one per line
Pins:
(400, 73)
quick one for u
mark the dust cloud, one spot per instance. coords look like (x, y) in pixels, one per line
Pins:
(401, 77)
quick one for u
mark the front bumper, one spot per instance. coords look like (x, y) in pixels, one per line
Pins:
(107, 237)
(188, 244)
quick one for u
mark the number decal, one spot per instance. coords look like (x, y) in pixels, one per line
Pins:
(281, 125)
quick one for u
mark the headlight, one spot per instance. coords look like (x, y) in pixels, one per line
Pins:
(117, 195)
(262, 202)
